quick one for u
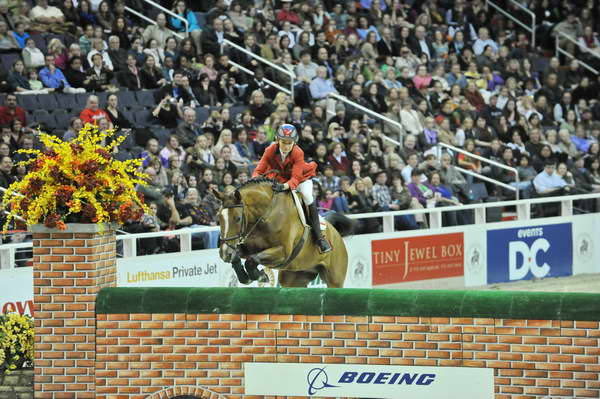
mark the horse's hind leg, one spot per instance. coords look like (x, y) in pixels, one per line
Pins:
(295, 279)
(333, 273)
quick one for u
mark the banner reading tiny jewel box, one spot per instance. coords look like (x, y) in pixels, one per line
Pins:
(336, 380)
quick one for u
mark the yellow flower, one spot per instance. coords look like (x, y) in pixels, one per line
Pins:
(75, 181)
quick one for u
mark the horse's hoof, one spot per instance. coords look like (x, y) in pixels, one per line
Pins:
(244, 279)
(254, 273)
(263, 278)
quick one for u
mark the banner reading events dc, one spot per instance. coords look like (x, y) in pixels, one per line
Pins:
(529, 252)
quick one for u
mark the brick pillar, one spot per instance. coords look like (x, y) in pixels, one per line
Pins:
(69, 268)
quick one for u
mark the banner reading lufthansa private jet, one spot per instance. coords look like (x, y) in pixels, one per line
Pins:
(368, 381)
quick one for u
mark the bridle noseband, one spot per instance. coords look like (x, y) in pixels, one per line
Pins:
(244, 234)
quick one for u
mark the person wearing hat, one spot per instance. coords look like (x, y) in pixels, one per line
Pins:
(284, 162)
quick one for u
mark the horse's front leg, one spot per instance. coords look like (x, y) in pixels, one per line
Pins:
(240, 272)
(269, 257)
(253, 272)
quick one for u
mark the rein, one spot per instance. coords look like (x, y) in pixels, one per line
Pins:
(244, 234)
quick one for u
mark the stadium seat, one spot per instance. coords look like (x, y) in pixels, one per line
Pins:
(146, 98)
(47, 101)
(201, 115)
(145, 118)
(9, 59)
(28, 102)
(40, 42)
(46, 119)
(161, 134)
(63, 121)
(201, 19)
(126, 99)
(65, 101)
(128, 114)
(102, 98)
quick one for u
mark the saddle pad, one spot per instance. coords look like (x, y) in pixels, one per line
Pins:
(298, 202)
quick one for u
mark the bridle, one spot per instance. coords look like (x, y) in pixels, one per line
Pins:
(244, 231)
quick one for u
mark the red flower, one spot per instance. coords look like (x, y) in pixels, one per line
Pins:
(52, 220)
(91, 182)
(50, 153)
(35, 186)
(89, 213)
(77, 148)
(89, 167)
(103, 153)
(64, 194)
(37, 165)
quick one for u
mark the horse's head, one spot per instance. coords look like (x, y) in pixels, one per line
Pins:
(231, 219)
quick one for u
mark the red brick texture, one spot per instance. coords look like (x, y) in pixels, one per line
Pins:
(69, 270)
(146, 355)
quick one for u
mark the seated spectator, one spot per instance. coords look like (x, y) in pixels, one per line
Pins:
(168, 111)
(32, 56)
(75, 73)
(46, 18)
(131, 77)
(6, 176)
(173, 148)
(153, 50)
(193, 28)
(59, 51)
(20, 35)
(159, 31)
(151, 75)
(98, 48)
(11, 111)
(547, 182)
(92, 113)
(188, 129)
(100, 77)
(18, 80)
(75, 125)
(53, 78)
(104, 16)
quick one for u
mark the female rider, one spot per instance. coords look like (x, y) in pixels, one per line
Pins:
(284, 161)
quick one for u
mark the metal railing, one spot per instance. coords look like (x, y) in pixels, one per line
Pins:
(172, 14)
(374, 114)
(559, 50)
(528, 28)
(7, 251)
(257, 57)
(251, 73)
(147, 19)
(489, 161)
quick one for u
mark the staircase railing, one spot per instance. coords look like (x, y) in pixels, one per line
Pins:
(166, 11)
(257, 57)
(147, 19)
(251, 73)
(528, 28)
(488, 161)
(374, 114)
(560, 50)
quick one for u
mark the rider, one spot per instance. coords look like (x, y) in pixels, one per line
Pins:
(284, 161)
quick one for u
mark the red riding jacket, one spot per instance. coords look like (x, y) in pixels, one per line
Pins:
(293, 171)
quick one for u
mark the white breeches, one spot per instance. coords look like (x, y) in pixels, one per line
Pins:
(306, 189)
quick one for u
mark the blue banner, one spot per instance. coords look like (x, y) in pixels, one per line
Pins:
(525, 253)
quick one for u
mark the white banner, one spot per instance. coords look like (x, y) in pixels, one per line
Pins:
(346, 380)
(205, 268)
(16, 294)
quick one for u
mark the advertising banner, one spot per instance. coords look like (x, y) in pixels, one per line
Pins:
(16, 295)
(367, 381)
(405, 259)
(524, 253)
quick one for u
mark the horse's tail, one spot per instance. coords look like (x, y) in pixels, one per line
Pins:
(344, 225)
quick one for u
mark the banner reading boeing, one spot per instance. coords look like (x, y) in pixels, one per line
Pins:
(529, 252)
(367, 381)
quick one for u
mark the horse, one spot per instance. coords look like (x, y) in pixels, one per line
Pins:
(264, 228)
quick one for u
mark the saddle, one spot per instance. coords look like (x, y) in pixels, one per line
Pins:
(303, 211)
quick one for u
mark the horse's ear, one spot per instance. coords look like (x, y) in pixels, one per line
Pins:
(238, 196)
(218, 194)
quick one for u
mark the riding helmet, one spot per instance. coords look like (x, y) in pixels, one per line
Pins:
(287, 131)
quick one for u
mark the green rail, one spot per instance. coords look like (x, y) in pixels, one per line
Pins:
(352, 302)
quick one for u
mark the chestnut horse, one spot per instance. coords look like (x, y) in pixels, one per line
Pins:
(263, 227)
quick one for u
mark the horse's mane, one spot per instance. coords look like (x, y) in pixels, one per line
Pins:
(252, 182)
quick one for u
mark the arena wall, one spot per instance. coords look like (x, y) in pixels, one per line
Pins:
(165, 342)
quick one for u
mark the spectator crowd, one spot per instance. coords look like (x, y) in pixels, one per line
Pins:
(200, 112)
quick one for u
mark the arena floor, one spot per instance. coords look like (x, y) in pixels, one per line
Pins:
(579, 283)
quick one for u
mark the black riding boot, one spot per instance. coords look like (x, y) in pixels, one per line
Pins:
(322, 243)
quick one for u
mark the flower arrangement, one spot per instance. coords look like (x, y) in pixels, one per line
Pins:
(16, 342)
(76, 182)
